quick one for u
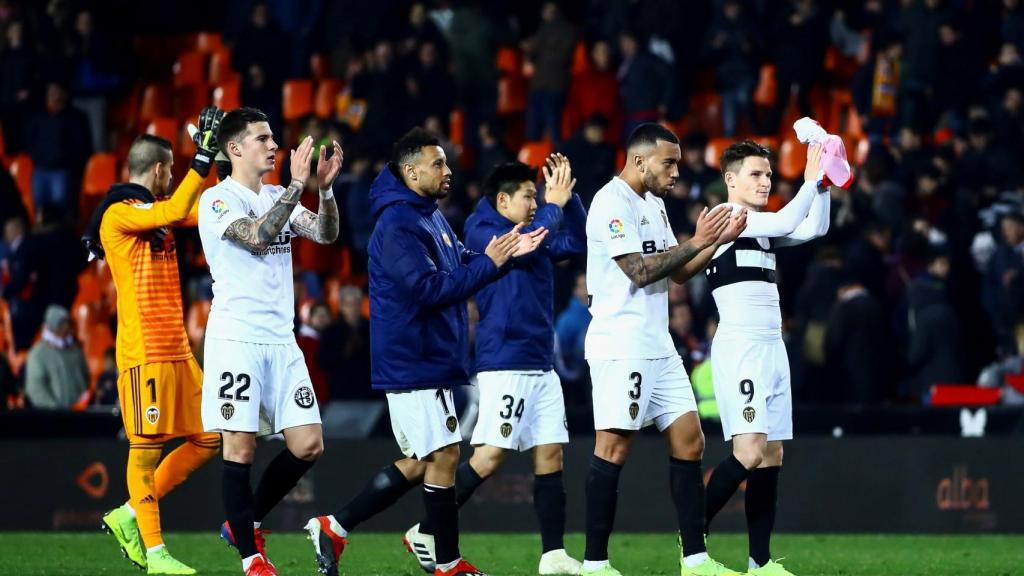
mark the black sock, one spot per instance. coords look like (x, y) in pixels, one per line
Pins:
(238, 504)
(443, 514)
(383, 490)
(281, 475)
(726, 478)
(466, 482)
(602, 496)
(686, 480)
(762, 495)
(549, 503)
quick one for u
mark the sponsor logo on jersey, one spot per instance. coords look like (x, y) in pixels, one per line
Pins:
(749, 414)
(152, 414)
(451, 423)
(219, 207)
(227, 410)
(615, 226)
(644, 221)
(506, 430)
(634, 411)
(304, 397)
(148, 499)
(447, 240)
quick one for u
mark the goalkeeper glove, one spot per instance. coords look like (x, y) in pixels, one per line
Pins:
(205, 138)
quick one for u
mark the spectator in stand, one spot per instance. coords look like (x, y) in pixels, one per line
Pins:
(1006, 73)
(550, 52)
(96, 75)
(429, 85)
(984, 166)
(61, 258)
(345, 349)
(18, 275)
(596, 91)
(921, 21)
(866, 258)
(472, 39)
(56, 374)
(1005, 280)
(962, 71)
(422, 31)
(645, 83)
(57, 139)
(106, 385)
(732, 48)
(261, 44)
(570, 332)
(595, 158)
(492, 151)
(936, 352)
(680, 327)
(387, 105)
(18, 76)
(354, 188)
(315, 317)
(11, 205)
(802, 36)
(856, 330)
(259, 92)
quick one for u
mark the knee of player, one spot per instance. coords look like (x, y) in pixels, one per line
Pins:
(310, 449)
(773, 454)
(486, 460)
(548, 459)
(750, 456)
(694, 448)
(447, 457)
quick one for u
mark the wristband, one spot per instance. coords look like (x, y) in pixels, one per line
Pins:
(326, 194)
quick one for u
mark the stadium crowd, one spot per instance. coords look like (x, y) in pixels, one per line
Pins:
(919, 281)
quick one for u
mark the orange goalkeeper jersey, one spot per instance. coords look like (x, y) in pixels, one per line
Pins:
(140, 251)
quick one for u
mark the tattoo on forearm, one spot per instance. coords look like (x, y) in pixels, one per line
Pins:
(322, 227)
(645, 271)
(258, 233)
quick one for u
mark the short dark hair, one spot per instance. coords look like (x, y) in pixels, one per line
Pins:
(732, 157)
(648, 134)
(507, 178)
(235, 123)
(146, 151)
(410, 145)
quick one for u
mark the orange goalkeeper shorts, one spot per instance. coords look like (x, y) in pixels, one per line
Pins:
(162, 398)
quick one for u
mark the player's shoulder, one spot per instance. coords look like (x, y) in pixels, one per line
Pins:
(611, 194)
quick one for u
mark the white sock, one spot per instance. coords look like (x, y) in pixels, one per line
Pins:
(695, 559)
(246, 562)
(594, 565)
(448, 566)
(751, 564)
(257, 525)
(131, 511)
(154, 548)
(336, 528)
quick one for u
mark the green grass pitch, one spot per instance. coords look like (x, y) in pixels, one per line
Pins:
(370, 554)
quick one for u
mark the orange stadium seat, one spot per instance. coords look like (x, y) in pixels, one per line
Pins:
(297, 99)
(164, 127)
(508, 61)
(457, 126)
(226, 95)
(792, 157)
(580, 59)
(100, 175)
(156, 101)
(220, 68)
(326, 98)
(765, 93)
(511, 95)
(21, 171)
(714, 149)
(189, 68)
(534, 153)
(208, 42)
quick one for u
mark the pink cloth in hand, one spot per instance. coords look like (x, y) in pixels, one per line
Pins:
(834, 163)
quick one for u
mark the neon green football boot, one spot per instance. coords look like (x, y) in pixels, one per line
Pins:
(121, 523)
(772, 568)
(160, 561)
(709, 567)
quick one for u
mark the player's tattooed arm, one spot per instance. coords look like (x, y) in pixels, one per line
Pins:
(321, 227)
(258, 233)
(644, 271)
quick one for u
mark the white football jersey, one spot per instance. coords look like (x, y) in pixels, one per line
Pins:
(628, 322)
(253, 297)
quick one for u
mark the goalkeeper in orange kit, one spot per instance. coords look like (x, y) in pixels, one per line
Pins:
(160, 383)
